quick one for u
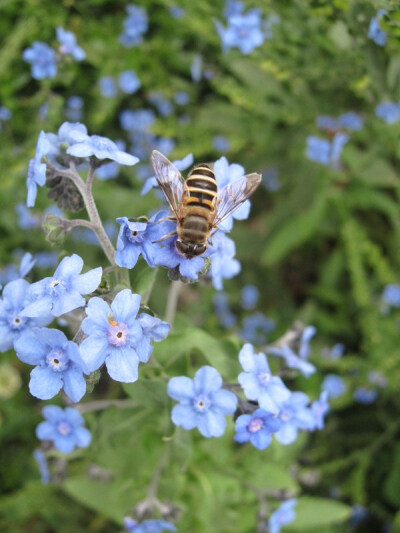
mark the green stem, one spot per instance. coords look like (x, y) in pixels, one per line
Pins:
(172, 302)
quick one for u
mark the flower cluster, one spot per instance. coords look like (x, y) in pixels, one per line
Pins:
(388, 112)
(135, 25)
(375, 32)
(43, 58)
(245, 31)
(271, 408)
(128, 82)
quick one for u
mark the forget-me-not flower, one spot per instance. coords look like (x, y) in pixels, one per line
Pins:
(319, 408)
(148, 526)
(256, 328)
(226, 173)
(324, 151)
(258, 383)
(249, 297)
(294, 414)
(223, 311)
(12, 324)
(138, 120)
(100, 147)
(74, 108)
(388, 111)
(223, 262)
(391, 294)
(161, 103)
(36, 169)
(135, 26)
(42, 59)
(64, 428)
(107, 86)
(62, 292)
(256, 428)
(117, 337)
(137, 238)
(292, 360)
(365, 396)
(375, 32)
(244, 31)
(284, 515)
(58, 364)
(128, 82)
(334, 385)
(202, 402)
(68, 45)
(11, 272)
(350, 121)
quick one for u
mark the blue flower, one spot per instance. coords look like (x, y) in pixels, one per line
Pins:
(148, 526)
(250, 294)
(292, 360)
(256, 428)
(334, 385)
(26, 220)
(335, 352)
(282, 516)
(42, 465)
(319, 408)
(221, 143)
(12, 323)
(62, 292)
(181, 98)
(233, 7)
(375, 32)
(139, 120)
(168, 256)
(46, 259)
(270, 179)
(37, 170)
(64, 427)
(326, 122)
(324, 151)
(161, 103)
(11, 272)
(388, 111)
(118, 337)
(258, 383)
(223, 263)
(108, 88)
(68, 44)
(59, 364)
(135, 25)
(202, 402)
(5, 113)
(180, 164)
(74, 108)
(177, 12)
(64, 136)
(351, 121)
(294, 414)
(137, 238)
(391, 295)
(128, 82)
(224, 174)
(196, 68)
(223, 311)
(42, 59)
(100, 147)
(365, 396)
(244, 31)
(256, 328)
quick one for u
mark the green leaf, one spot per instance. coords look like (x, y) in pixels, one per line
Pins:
(312, 514)
(392, 484)
(295, 232)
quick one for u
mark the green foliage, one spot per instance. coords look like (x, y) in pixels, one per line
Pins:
(320, 249)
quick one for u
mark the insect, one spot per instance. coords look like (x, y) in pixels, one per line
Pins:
(197, 205)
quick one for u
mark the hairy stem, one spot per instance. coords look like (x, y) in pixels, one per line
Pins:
(172, 302)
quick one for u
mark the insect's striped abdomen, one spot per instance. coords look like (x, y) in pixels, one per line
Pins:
(202, 187)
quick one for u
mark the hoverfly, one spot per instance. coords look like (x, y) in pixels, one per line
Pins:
(197, 205)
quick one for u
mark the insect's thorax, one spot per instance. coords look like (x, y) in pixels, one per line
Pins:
(199, 205)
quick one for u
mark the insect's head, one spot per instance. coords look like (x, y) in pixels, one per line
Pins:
(190, 249)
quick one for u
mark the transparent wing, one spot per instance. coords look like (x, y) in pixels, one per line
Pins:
(170, 181)
(234, 194)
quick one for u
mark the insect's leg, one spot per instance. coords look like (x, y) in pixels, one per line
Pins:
(172, 234)
(170, 218)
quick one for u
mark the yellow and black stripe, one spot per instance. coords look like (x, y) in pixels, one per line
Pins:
(202, 187)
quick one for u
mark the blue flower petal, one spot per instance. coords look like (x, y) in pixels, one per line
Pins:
(211, 424)
(88, 282)
(45, 430)
(225, 401)
(64, 444)
(74, 384)
(30, 349)
(83, 437)
(181, 389)
(183, 416)
(94, 351)
(122, 364)
(261, 439)
(44, 383)
(125, 305)
(68, 267)
(207, 380)
(67, 303)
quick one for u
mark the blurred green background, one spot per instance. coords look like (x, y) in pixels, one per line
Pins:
(320, 245)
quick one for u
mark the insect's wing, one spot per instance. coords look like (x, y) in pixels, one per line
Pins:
(170, 181)
(234, 194)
